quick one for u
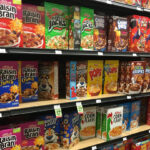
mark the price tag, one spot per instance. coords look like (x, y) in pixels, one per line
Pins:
(94, 147)
(125, 139)
(58, 52)
(98, 101)
(3, 51)
(58, 111)
(100, 53)
(109, 2)
(1, 115)
(138, 8)
(79, 107)
(129, 97)
(149, 131)
(134, 55)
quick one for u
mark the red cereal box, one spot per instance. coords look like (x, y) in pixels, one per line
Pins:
(134, 2)
(146, 4)
(147, 41)
(33, 26)
(10, 23)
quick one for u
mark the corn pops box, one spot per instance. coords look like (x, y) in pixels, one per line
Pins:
(29, 81)
(33, 26)
(9, 86)
(56, 22)
(87, 26)
(95, 75)
(32, 135)
(10, 23)
(10, 139)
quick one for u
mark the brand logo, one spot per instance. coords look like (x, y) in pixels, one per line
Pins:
(87, 25)
(31, 132)
(122, 24)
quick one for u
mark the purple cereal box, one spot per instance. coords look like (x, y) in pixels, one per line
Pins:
(32, 135)
(10, 139)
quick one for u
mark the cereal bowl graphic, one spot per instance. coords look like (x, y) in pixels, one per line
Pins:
(134, 124)
(115, 132)
(94, 90)
(52, 146)
(134, 88)
(111, 88)
(87, 132)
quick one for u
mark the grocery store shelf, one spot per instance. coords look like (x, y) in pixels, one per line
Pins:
(43, 106)
(98, 143)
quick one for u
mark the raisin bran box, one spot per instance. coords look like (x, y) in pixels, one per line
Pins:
(81, 80)
(9, 86)
(95, 76)
(32, 135)
(88, 123)
(10, 23)
(87, 27)
(33, 26)
(70, 130)
(100, 33)
(10, 139)
(118, 34)
(29, 81)
(48, 80)
(56, 23)
(71, 68)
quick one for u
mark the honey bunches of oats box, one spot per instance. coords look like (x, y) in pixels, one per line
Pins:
(56, 23)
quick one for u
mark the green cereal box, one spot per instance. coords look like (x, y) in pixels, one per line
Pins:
(56, 22)
(98, 122)
(87, 27)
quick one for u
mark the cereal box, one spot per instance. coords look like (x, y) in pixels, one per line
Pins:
(118, 34)
(10, 23)
(146, 4)
(9, 87)
(32, 135)
(135, 112)
(71, 68)
(88, 123)
(10, 139)
(147, 37)
(134, 2)
(111, 76)
(81, 80)
(48, 80)
(95, 76)
(29, 81)
(71, 129)
(98, 122)
(110, 147)
(100, 33)
(56, 22)
(33, 26)
(74, 28)
(87, 26)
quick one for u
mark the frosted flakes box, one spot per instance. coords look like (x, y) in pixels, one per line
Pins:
(81, 79)
(98, 122)
(88, 123)
(10, 139)
(33, 26)
(10, 23)
(32, 135)
(29, 81)
(48, 80)
(70, 129)
(87, 26)
(71, 68)
(9, 86)
(111, 76)
(95, 75)
(56, 23)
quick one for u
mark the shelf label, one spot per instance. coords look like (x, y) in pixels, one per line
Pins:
(139, 8)
(94, 147)
(134, 55)
(149, 131)
(109, 2)
(129, 97)
(58, 52)
(58, 111)
(79, 107)
(125, 139)
(98, 101)
(100, 53)
(1, 115)
(3, 51)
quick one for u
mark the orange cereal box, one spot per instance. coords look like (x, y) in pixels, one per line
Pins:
(111, 76)
(95, 74)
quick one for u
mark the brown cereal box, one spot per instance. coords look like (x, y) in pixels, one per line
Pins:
(48, 80)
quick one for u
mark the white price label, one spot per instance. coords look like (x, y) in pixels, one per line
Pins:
(125, 139)
(100, 53)
(109, 2)
(79, 107)
(94, 147)
(1, 115)
(134, 55)
(139, 8)
(58, 111)
(98, 101)
(58, 52)
(149, 131)
(3, 51)
(129, 97)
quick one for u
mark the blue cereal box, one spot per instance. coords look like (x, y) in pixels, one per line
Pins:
(9, 88)
(71, 68)
(109, 147)
(70, 127)
(29, 81)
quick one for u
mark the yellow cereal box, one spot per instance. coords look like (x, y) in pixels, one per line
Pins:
(95, 74)
(111, 76)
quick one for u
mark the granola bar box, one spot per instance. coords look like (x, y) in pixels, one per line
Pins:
(74, 28)
(10, 139)
(87, 27)
(95, 76)
(10, 23)
(100, 33)
(32, 135)
(71, 68)
(81, 80)
(118, 34)
(9, 86)
(56, 23)
(33, 26)
(29, 81)
(88, 123)
(48, 80)
(70, 129)
(111, 76)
